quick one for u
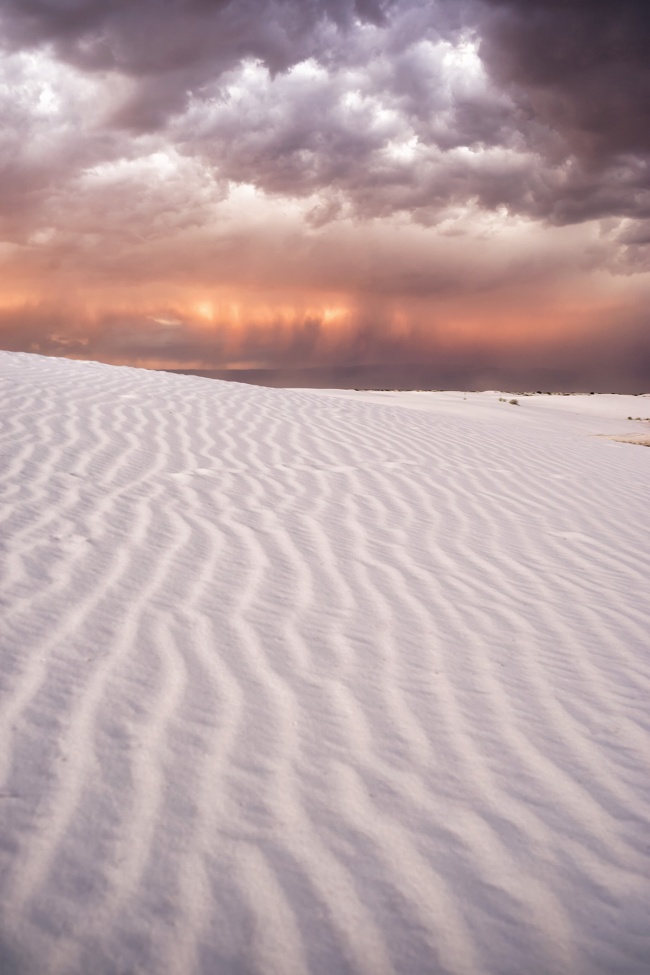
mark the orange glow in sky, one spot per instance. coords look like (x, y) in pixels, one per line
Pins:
(397, 186)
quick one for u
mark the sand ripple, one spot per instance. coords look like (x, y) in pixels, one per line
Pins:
(295, 683)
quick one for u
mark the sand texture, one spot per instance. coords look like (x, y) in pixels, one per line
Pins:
(303, 682)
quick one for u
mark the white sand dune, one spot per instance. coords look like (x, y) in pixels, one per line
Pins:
(298, 682)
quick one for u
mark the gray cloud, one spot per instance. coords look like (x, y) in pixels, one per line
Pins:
(399, 123)
(392, 119)
(584, 67)
(394, 147)
(582, 71)
(180, 43)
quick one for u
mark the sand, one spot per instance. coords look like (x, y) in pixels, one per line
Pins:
(305, 682)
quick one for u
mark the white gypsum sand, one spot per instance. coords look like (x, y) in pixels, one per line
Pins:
(298, 682)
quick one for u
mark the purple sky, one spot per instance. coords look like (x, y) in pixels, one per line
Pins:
(229, 183)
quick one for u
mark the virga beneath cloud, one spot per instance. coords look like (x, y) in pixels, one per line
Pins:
(217, 183)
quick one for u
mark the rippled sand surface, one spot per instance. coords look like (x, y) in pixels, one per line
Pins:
(297, 682)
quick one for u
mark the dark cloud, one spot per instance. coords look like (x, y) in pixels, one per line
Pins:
(580, 68)
(374, 116)
(397, 119)
(561, 131)
(171, 48)
(584, 65)
(200, 37)
(375, 155)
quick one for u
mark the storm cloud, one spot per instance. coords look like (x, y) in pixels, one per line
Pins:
(583, 66)
(581, 70)
(396, 159)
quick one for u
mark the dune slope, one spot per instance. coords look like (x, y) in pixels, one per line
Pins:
(294, 682)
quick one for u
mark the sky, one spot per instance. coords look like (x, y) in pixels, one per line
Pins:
(249, 184)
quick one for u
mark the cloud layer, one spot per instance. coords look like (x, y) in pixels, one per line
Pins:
(406, 162)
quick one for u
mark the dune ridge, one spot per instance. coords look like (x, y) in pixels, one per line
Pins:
(305, 682)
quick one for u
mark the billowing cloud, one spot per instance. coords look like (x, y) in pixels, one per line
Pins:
(584, 67)
(228, 181)
(172, 48)
(582, 71)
